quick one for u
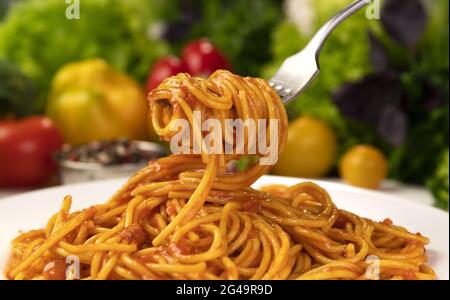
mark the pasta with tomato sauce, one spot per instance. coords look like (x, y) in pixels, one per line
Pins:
(187, 216)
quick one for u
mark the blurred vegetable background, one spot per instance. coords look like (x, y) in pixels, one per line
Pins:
(38, 38)
(383, 84)
(17, 91)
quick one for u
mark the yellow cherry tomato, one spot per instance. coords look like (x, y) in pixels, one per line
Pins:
(310, 149)
(363, 166)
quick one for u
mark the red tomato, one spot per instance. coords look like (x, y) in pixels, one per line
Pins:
(202, 58)
(26, 151)
(163, 68)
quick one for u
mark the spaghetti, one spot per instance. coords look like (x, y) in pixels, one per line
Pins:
(187, 217)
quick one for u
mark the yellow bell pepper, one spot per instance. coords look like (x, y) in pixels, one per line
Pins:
(89, 101)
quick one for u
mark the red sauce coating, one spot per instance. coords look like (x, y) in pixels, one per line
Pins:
(171, 210)
(91, 211)
(409, 275)
(55, 270)
(133, 234)
(180, 248)
(252, 205)
(387, 222)
(252, 234)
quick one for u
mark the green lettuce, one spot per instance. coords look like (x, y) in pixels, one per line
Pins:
(36, 36)
(439, 183)
(17, 92)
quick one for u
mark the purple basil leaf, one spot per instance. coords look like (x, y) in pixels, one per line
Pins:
(178, 30)
(433, 97)
(404, 20)
(378, 55)
(366, 100)
(393, 125)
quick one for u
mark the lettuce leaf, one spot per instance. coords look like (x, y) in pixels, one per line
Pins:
(439, 183)
(37, 37)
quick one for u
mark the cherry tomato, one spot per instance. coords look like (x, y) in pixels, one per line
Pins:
(163, 68)
(26, 151)
(363, 166)
(310, 149)
(202, 58)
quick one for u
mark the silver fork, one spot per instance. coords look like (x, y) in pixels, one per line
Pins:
(298, 70)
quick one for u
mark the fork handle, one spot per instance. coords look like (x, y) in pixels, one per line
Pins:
(318, 40)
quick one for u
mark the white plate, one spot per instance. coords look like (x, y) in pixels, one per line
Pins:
(31, 210)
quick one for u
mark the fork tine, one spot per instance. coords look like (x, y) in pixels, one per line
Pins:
(298, 70)
(294, 75)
